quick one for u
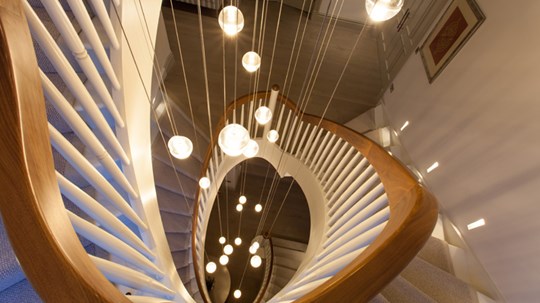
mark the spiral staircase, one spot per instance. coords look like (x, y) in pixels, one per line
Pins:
(139, 241)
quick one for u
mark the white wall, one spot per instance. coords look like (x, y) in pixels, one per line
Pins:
(480, 119)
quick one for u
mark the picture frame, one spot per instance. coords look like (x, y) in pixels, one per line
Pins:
(455, 27)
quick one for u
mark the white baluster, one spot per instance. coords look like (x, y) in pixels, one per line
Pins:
(347, 184)
(74, 43)
(299, 131)
(65, 70)
(283, 133)
(360, 215)
(309, 144)
(353, 187)
(82, 16)
(341, 167)
(84, 133)
(319, 148)
(122, 275)
(328, 158)
(113, 245)
(337, 159)
(323, 156)
(89, 172)
(313, 146)
(103, 216)
(289, 133)
(361, 198)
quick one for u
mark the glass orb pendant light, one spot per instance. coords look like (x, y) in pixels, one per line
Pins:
(228, 249)
(204, 182)
(242, 199)
(211, 267)
(255, 261)
(272, 136)
(180, 147)
(237, 294)
(258, 208)
(263, 115)
(231, 20)
(238, 241)
(251, 61)
(382, 10)
(223, 260)
(239, 207)
(251, 149)
(222, 240)
(232, 139)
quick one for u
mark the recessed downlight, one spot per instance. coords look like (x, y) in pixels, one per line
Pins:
(432, 167)
(476, 224)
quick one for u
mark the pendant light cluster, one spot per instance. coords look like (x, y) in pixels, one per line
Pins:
(382, 10)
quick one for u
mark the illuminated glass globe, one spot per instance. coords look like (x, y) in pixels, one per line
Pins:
(255, 261)
(204, 182)
(252, 149)
(251, 61)
(272, 136)
(223, 260)
(238, 241)
(237, 294)
(263, 114)
(233, 138)
(228, 249)
(258, 208)
(180, 147)
(239, 207)
(211, 267)
(253, 248)
(256, 245)
(382, 10)
(231, 20)
(222, 240)
(242, 199)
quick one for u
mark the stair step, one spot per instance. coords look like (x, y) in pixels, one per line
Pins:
(293, 255)
(179, 241)
(181, 258)
(402, 291)
(174, 223)
(379, 299)
(173, 203)
(20, 292)
(165, 177)
(285, 272)
(189, 167)
(10, 270)
(191, 286)
(293, 245)
(437, 283)
(437, 253)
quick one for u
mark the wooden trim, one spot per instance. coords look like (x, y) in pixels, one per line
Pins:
(413, 214)
(34, 216)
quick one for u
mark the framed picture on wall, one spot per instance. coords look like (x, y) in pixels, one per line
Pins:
(456, 26)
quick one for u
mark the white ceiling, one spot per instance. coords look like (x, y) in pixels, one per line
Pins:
(480, 119)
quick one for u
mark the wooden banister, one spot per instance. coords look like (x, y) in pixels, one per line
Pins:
(413, 214)
(34, 216)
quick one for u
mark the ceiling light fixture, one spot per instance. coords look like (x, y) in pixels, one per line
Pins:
(233, 138)
(404, 125)
(204, 182)
(180, 147)
(476, 224)
(211, 267)
(239, 207)
(223, 260)
(272, 136)
(238, 241)
(263, 115)
(222, 240)
(251, 61)
(242, 199)
(231, 20)
(382, 10)
(258, 208)
(432, 167)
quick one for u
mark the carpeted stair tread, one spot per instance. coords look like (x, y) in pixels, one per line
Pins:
(294, 255)
(190, 167)
(10, 270)
(402, 291)
(181, 258)
(438, 284)
(176, 223)
(164, 176)
(179, 241)
(191, 285)
(21, 292)
(172, 202)
(379, 299)
(288, 244)
(436, 252)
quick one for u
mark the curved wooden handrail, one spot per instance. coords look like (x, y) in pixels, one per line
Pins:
(413, 214)
(34, 216)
